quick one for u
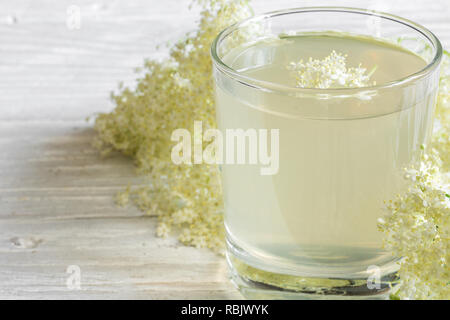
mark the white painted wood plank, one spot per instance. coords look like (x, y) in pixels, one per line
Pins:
(57, 209)
(118, 258)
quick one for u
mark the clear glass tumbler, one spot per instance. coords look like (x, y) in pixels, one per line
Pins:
(310, 229)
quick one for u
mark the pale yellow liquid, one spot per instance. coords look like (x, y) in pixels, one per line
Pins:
(339, 158)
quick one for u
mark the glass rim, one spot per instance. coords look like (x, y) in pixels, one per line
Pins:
(276, 87)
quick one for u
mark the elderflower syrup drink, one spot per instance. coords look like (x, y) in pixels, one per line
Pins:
(353, 108)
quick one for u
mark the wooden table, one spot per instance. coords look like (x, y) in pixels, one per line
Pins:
(57, 213)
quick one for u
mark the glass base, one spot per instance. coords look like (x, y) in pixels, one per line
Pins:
(254, 283)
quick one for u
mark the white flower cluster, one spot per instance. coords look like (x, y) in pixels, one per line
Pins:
(331, 72)
(417, 229)
(417, 223)
(171, 95)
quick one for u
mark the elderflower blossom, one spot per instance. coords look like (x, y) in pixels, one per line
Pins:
(417, 223)
(417, 229)
(171, 95)
(331, 72)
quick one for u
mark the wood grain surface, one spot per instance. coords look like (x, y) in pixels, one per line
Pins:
(56, 193)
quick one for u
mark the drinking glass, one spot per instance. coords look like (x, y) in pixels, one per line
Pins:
(310, 230)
